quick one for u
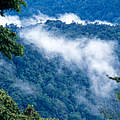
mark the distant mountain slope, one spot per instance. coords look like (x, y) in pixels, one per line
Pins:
(108, 10)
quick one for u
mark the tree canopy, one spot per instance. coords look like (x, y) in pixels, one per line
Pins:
(15, 5)
(10, 111)
(8, 44)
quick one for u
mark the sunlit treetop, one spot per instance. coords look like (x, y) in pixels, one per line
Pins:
(15, 5)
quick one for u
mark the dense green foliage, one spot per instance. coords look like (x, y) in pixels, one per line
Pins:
(10, 111)
(50, 90)
(15, 5)
(104, 32)
(8, 45)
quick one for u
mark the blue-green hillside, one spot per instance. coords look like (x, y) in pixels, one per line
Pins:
(58, 87)
(86, 9)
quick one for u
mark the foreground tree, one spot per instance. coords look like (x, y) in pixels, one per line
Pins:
(117, 79)
(15, 5)
(10, 111)
(8, 45)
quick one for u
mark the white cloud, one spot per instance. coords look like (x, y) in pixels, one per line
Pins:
(96, 55)
(68, 18)
(10, 20)
(100, 60)
(40, 18)
(102, 22)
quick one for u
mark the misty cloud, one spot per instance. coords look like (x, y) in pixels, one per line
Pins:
(67, 18)
(96, 55)
(8, 70)
(10, 20)
(101, 59)
(24, 86)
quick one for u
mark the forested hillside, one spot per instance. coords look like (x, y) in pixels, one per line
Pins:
(85, 9)
(9, 47)
(51, 84)
(10, 111)
(58, 63)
